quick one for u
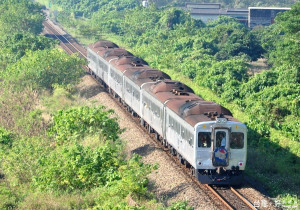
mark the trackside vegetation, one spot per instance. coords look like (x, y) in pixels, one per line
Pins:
(58, 151)
(215, 60)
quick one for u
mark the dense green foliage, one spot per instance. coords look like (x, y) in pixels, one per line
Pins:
(232, 4)
(40, 69)
(51, 158)
(6, 138)
(16, 44)
(83, 121)
(87, 8)
(20, 16)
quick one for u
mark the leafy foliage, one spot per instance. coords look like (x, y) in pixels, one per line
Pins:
(19, 43)
(42, 69)
(132, 181)
(6, 138)
(21, 162)
(20, 16)
(231, 4)
(75, 167)
(78, 122)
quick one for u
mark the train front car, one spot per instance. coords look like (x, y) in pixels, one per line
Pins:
(217, 152)
(220, 147)
(221, 151)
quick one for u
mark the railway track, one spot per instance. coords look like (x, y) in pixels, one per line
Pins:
(69, 45)
(229, 193)
(226, 197)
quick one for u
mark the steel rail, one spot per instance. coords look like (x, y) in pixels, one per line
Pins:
(65, 47)
(243, 199)
(219, 197)
(64, 38)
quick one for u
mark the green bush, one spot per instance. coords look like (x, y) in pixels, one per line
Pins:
(133, 182)
(79, 122)
(74, 167)
(21, 162)
(53, 67)
(6, 138)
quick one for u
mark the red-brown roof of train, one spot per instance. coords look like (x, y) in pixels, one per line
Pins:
(164, 96)
(104, 44)
(101, 47)
(141, 75)
(116, 52)
(194, 111)
(169, 85)
(135, 61)
(194, 119)
(126, 62)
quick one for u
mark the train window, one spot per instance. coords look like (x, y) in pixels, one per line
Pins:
(92, 56)
(171, 121)
(112, 73)
(146, 102)
(183, 133)
(191, 140)
(118, 78)
(128, 87)
(105, 67)
(204, 139)
(155, 109)
(221, 139)
(237, 140)
(176, 126)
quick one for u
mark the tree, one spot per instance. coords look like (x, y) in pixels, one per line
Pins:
(17, 44)
(43, 68)
(20, 16)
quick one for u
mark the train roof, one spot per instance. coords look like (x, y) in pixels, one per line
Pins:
(181, 99)
(115, 53)
(170, 85)
(105, 44)
(101, 47)
(126, 62)
(197, 110)
(141, 75)
(168, 89)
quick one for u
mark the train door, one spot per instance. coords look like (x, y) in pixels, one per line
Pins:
(220, 147)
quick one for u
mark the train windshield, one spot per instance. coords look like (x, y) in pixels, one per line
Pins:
(237, 140)
(204, 139)
(220, 139)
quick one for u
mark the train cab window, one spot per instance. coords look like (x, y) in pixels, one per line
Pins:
(221, 139)
(204, 139)
(237, 140)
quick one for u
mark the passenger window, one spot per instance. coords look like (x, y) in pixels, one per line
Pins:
(204, 139)
(237, 140)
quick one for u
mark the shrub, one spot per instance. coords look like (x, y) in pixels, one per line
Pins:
(74, 167)
(78, 122)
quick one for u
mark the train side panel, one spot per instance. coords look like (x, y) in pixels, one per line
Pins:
(131, 95)
(103, 67)
(115, 80)
(93, 60)
(180, 135)
(152, 111)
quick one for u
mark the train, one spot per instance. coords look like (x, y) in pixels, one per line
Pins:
(204, 135)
